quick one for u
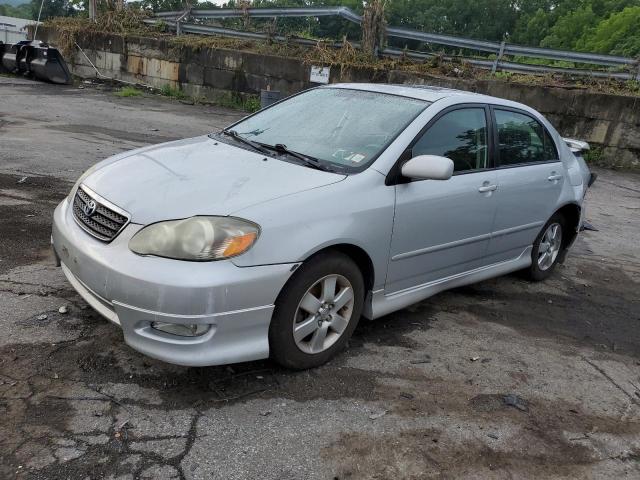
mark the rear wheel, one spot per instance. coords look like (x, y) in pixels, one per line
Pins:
(317, 311)
(547, 248)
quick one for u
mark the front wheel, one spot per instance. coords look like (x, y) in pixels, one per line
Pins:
(547, 248)
(317, 311)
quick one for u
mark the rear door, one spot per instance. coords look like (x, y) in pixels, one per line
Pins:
(442, 227)
(530, 179)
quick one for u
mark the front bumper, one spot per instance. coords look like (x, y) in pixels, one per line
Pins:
(133, 291)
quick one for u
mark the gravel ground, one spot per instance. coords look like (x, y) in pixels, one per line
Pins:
(503, 379)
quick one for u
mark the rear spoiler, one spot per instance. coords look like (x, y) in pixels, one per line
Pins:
(576, 146)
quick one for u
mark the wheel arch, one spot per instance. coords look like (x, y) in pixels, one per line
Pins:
(359, 255)
(572, 214)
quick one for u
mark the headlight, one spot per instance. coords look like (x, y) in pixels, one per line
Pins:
(196, 238)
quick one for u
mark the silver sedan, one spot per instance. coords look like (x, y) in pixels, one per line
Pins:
(274, 236)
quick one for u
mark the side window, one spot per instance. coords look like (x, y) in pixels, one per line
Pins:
(522, 139)
(460, 135)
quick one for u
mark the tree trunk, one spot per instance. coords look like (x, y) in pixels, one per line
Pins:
(373, 27)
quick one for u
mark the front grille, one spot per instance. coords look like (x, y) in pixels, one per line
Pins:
(104, 221)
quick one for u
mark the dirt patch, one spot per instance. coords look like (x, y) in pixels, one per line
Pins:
(420, 454)
(601, 308)
(538, 443)
(393, 329)
(116, 135)
(26, 210)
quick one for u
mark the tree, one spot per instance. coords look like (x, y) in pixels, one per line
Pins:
(570, 28)
(617, 35)
(19, 11)
(485, 19)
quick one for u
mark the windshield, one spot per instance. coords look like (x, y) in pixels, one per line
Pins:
(345, 128)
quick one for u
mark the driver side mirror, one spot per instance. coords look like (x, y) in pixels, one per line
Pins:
(428, 167)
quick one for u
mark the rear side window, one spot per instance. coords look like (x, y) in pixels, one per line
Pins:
(522, 139)
(460, 135)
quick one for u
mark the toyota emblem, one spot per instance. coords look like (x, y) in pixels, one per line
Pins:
(89, 208)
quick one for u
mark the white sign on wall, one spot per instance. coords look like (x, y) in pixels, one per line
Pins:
(320, 74)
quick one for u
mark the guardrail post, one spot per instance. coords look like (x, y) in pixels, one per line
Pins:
(180, 19)
(498, 58)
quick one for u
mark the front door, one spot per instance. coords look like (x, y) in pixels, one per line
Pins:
(442, 228)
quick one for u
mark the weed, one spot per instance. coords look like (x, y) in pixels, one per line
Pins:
(252, 104)
(594, 155)
(128, 92)
(248, 103)
(503, 75)
(173, 92)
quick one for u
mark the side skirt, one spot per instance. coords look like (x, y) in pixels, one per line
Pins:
(381, 304)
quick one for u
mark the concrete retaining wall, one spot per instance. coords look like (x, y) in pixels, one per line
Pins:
(611, 123)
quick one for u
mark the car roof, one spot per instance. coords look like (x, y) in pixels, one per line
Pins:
(423, 92)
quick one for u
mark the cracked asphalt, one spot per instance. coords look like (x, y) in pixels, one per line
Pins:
(503, 379)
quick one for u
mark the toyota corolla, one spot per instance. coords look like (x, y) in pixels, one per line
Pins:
(272, 237)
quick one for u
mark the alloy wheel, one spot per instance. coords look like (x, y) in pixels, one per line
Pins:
(323, 314)
(549, 247)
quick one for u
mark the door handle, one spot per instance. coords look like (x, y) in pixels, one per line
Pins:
(553, 177)
(487, 188)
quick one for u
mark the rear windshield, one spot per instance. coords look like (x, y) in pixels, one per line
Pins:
(347, 129)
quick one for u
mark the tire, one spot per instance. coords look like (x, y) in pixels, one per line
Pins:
(322, 334)
(543, 266)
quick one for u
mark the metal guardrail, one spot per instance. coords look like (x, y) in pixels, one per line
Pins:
(499, 49)
(227, 32)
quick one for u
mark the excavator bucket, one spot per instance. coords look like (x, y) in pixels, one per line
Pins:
(36, 59)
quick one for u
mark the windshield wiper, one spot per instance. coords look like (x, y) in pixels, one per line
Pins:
(307, 160)
(236, 136)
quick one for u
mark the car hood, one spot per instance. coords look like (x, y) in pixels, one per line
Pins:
(197, 176)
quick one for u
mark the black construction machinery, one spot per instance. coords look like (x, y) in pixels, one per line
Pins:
(36, 59)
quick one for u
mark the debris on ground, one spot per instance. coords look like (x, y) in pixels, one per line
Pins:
(63, 309)
(515, 401)
(589, 227)
(376, 415)
(43, 316)
(424, 359)
(23, 179)
(474, 359)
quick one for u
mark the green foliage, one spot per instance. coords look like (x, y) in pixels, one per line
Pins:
(52, 8)
(618, 35)
(128, 91)
(594, 155)
(159, 5)
(569, 28)
(173, 92)
(17, 11)
(503, 75)
(248, 103)
(486, 19)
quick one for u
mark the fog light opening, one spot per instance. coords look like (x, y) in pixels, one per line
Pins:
(182, 330)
